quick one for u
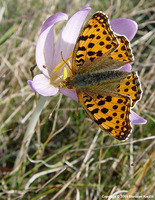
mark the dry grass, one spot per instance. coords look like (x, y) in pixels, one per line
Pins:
(66, 164)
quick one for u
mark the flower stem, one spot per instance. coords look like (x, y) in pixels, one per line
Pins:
(29, 133)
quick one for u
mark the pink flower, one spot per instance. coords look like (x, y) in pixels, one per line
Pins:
(48, 57)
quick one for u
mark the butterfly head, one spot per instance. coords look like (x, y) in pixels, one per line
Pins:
(66, 83)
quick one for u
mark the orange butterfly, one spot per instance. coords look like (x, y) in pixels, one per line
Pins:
(105, 93)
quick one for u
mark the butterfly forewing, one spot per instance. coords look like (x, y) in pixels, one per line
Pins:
(95, 42)
(110, 111)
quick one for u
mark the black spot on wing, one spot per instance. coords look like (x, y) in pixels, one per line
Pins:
(94, 111)
(101, 103)
(100, 121)
(89, 105)
(104, 110)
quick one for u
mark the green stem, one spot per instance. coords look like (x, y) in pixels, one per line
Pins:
(29, 133)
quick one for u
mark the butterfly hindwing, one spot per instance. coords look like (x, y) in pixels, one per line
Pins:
(119, 57)
(123, 53)
(131, 86)
(110, 111)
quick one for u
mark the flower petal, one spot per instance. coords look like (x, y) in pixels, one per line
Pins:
(31, 86)
(52, 20)
(45, 44)
(69, 93)
(125, 27)
(69, 35)
(41, 84)
(136, 119)
(126, 67)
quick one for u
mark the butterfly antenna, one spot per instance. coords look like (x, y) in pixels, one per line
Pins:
(52, 72)
(65, 61)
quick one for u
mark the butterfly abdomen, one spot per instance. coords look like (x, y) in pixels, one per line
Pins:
(82, 81)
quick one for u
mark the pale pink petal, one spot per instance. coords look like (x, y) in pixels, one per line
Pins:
(69, 93)
(69, 35)
(125, 27)
(41, 84)
(45, 45)
(30, 84)
(126, 67)
(52, 20)
(136, 119)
